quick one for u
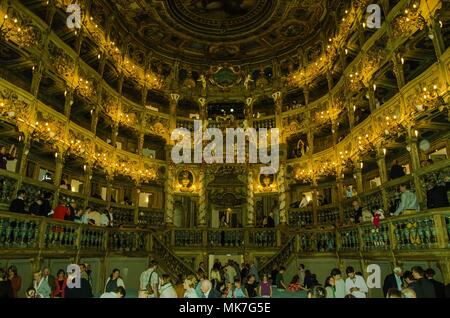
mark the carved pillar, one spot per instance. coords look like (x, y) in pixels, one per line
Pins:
(174, 98)
(203, 111)
(22, 156)
(415, 165)
(57, 176)
(437, 38)
(371, 93)
(250, 199)
(140, 144)
(282, 194)
(340, 196)
(202, 218)
(37, 77)
(277, 97)
(359, 178)
(109, 188)
(249, 111)
(314, 200)
(398, 71)
(94, 120)
(169, 213)
(68, 103)
(114, 134)
(381, 162)
(136, 196)
(87, 183)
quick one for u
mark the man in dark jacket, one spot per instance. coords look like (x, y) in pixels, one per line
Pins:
(422, 286)
(46, 206)
(35, 207)
(18, 204)
(85, 290)
(393, 280)
(396, 171)
(437, 195)
(439, 288)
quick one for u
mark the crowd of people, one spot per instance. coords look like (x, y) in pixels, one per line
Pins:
(225, 281)
(65, 210)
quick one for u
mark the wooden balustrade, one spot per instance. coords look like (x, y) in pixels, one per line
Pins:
(423, 231)
(301, 217)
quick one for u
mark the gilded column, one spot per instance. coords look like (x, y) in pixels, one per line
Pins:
(415, 164)
(250, 199)
(359, 178)
(169, 196)
(174, 98)
(381, 162)
(278, 108)
(203, 208)
(282, 194)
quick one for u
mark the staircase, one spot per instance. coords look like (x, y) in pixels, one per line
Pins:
(168, 261)
(282, 258)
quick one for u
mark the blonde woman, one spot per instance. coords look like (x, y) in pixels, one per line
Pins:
(189, 286)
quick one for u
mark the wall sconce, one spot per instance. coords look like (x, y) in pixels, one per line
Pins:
(384, 151)
(374, 87)
(84, 168)
(56, 155)
(416, 133)
(361, 164)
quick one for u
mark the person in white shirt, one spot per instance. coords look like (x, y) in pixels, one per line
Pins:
(166, 290)
(230, 273)
(149, 280)
(41, 285)
(355, 284)
(119, 293)
(189, 286)
(339, 283)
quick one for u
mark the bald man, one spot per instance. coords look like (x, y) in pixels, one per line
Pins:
(208, 291)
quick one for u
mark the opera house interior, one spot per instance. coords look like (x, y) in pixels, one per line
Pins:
(113, 174)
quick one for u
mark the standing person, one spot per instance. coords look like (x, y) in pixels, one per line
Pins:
(330, 287)
(355, 284)
(18, 204)
(250, 286)
(254, 271)
(49, 278)
(437, 194)
(61, 211)
(5, 156)
(149, 280)
(41, 285)
(230, 272)
(189, 287)
(357, 211)
(114, 280)
(301, 274)
(73, 211)
(46, 207)
(237, 291)
(6, 290)
(397, 170)
(408, 201)
(439, 287)
(61, 284)
(265, 289)
(310, 280)
(104, 219)
(85, 290)
(110, 216)
(166, 290)
(273, 274)
(393, 280)
(280, 279)
(35, 207)
(422, 286)
(15, 280)
(275, 214)
(339, 283)
(206, 290)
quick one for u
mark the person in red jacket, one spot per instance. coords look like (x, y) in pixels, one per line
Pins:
(61, 211)
(61, 284)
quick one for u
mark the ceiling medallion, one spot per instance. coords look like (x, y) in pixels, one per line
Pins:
(225, 77)
(221, 17)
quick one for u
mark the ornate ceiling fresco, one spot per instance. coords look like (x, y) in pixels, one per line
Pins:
(244, 31)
